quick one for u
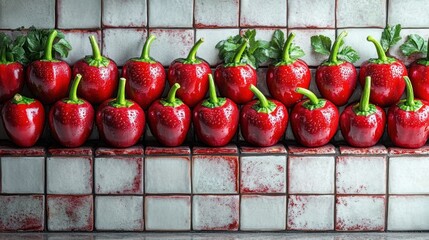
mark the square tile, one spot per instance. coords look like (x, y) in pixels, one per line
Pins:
(230, 149)
(311, 13)
(214, 212)
(408, 213)
(69, 175)
(408, 175)
(263, 213)
(22, 175)
(131, 13)
(246, 149)
(70, 213)
(181, 39)
(207, 50)
(170, 174)
(259, 13)
(122, 44)
(122, 213)
(118, 175)
(361, 175)
(360, 213)
(23, 213)
(327, 149)
(168, 213)
(170, 13)
(311, 174)
(81, 14)
(207, 14)
(310, 212)
(263, 174)
(133, 151)
(27, 13)
(215, 174)
(361, 13)
(79, 39)
(408, 13)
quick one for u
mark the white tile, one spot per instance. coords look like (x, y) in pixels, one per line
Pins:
(79, 39)
(263, 213)
(212, 212)
(408, 213)
(124, 213)
(259, 13)
(123, 44)
(167, 174)
(27, 13)
(131, 13)
(20, 212)
(162, 50)
(118, 175)
(207, 13)
(263, 174)
(311, 174)
(215, 174)
(361, 175)
(79, 14)
(69, 175)
(70, 213)
(395, 51)
(360, 213)
(207, 50)
(171, 213)
(170, 13)
(410, 13)
(22, 175)
(310, 212)
(408, 175)
(364, 13)
(311, 13)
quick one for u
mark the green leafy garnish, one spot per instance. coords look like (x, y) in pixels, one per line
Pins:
(13, 50)
(256, 51)
(277, 45)
(323, 45)
(390, 36)
(415, 44)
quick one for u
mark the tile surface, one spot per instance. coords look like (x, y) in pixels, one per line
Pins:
(24, 213)
(207, 14)
(214, 212)
(170, 13)
(168, 213)
(70, 213)
(408, 213)
(22, 175)
(361, 13)
(79, 14)
(131, 13)
(40, 14)
(273, 14)
(262, 213)
(311, 14)
(406, 13)
(408, 175)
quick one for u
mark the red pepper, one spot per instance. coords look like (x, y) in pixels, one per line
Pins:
(71, 119)
(408, 120)
(215, 119)
(263, 122)
(145, 77)
(419, 76)
(362, 124)
(11, 77)
(23, 120)
(314, 121)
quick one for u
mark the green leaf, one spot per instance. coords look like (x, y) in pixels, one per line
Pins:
(62, 47)
(296, 52)
(321, 44)
(414, 44)
(348, 54)
(390, 36)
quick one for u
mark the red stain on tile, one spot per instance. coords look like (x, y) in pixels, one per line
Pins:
(75, 213)
(375, 150)
(8, 149)
(158, 150)
(22, 213)
(80, 151)
(276, 149)
(299, 150)
(137, 181)
(228, 149)
(405, 151)
(134, 150)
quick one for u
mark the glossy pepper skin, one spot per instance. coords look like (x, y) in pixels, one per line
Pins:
(263, 122)
(48, 79)
(288, 74)
(169, 119)
(336, 79)
(23, 120)
(408, 121)
(11, 77)
(362, 124)
(120, 121)
(71, 119)
(419, 76)
(234, 79)
(314, 121)
(99, 76)
(215, 119)
(145, 76)
(192, 74)
(387, 77)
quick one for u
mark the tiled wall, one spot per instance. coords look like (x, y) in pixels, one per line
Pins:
(232, 188)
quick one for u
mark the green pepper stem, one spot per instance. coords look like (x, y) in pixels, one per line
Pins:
(237, 56)
(309, 94)
(171, 97)
(95, 49)
(263, 102)
(146, 48)
(286, 56)
(212, 90)
(49, 44)
(192, 56)
(410, 93)
(3, 55)
(364, 99)
(120, 98)
(73, 89)
(380, 52)
(333, 57)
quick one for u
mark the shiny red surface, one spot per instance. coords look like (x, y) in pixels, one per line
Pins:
(11, 80)
(419, 76)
